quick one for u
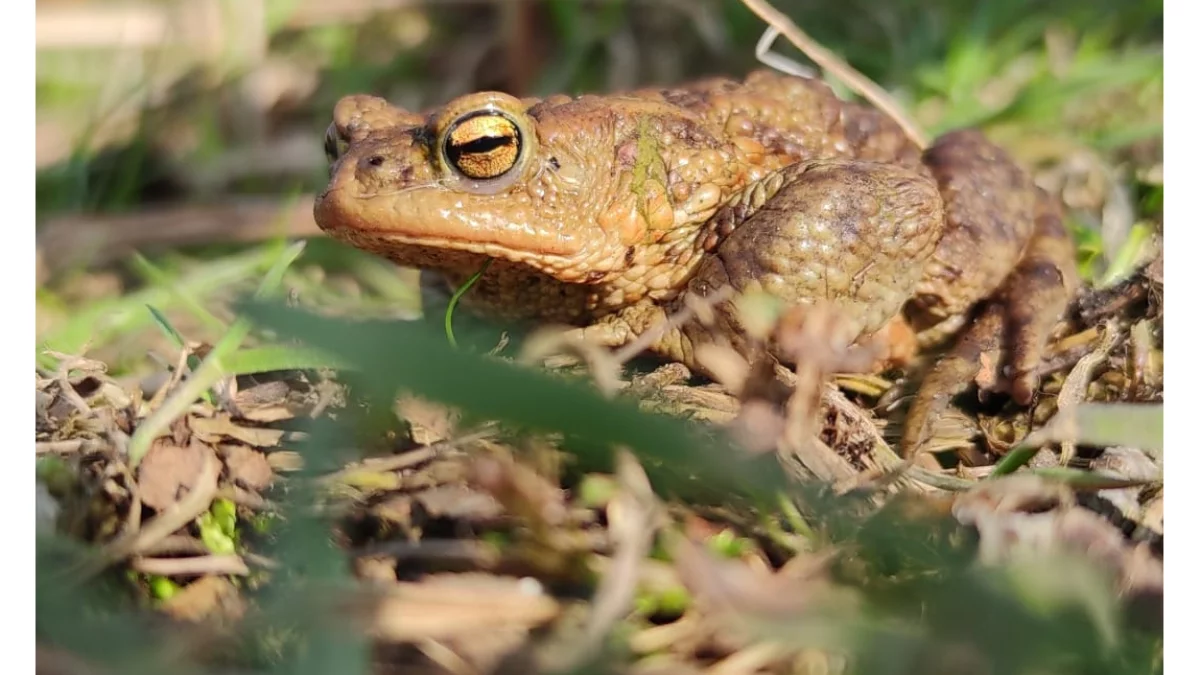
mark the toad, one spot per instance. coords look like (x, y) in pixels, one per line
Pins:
(603, 211)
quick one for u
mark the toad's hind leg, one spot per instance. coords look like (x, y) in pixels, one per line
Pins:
(852, 235)
(1005, 245)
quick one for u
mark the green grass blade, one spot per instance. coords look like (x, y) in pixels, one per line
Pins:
(458, 294)
(414, 357)
(100, 322)
(165, 325)
(1098, 424)
(273, 358)
(274, 276)
(156, 276)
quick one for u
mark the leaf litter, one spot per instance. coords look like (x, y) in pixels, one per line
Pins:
(416, 519)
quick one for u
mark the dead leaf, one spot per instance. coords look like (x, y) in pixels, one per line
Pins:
(458, 502)
(666, 375)
(431, 422)
(376, 569)
(176, 515)
(264, 402)
(169, 471)
(708, 404)
(207, 597)
(734, 586)
(1024, 517)
(247, 467)
(1126, 464)
(222, 428)
(521, 490)
(285, 460)
(447, 606)
(267, 413)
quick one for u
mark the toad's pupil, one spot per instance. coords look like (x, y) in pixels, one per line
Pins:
(481, 145)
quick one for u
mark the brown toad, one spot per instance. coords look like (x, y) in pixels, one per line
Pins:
(601, 211)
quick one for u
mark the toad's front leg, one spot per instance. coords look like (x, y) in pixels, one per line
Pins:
(1005, 245)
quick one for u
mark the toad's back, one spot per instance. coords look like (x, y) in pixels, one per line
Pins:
(792, 118)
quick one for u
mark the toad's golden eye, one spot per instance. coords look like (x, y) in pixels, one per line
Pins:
(483, 144)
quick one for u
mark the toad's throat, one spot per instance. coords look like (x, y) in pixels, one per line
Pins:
(509, 291)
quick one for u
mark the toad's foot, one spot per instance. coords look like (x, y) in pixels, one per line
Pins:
(991, 205)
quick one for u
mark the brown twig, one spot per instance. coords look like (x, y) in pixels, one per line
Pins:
(545, 344)
(752, 659)
(478, 555)
(605, 366)
(1074, 388)
(67, 390)
(445, 657)
(195, 566)
(674, 321)
(409, 459)
(409, 611)
(634, 518)
(243, 497)
(177, 373)
(176, 544)
(97, 239)
(882, 454)
(70, 447)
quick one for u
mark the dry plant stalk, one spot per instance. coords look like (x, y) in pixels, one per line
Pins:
(842, 70)
(1074, 388)
(820, 342)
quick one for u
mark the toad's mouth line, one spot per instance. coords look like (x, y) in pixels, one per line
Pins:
(335, 212)
(483, 248)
